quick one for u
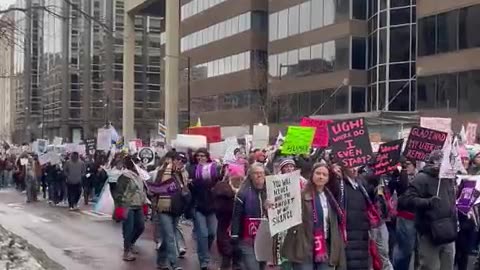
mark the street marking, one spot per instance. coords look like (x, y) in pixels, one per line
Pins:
(94, 214)
(37, 219)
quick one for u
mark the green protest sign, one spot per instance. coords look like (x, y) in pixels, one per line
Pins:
(298, 140)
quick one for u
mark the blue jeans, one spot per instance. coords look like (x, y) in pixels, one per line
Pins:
(205, 230)
(403, 250)
(165, 226)
(312, 266)
(248, 260)
(132, 227)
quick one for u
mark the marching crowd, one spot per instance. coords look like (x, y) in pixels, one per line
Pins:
(352, 219)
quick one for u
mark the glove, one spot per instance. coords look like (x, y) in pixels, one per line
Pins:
(120, 213)
(434, 202)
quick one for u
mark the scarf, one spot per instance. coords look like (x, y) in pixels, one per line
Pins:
(205, 172)
(320, 253)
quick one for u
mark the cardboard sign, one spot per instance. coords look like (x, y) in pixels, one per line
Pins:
(469, 194)
(422, 141)
(298, 140)
(212, 133)
(283, 191)
(261, 135)
(387, 157)
(350, 142)
(321, 132)
(471, 133)
(146, 155)
(104, 139)
(231, 144)
(41, 146)
(187, 141)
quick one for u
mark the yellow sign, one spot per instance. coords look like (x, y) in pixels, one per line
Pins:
(298, 140)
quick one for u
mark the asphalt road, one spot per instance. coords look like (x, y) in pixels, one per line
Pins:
(80, 240)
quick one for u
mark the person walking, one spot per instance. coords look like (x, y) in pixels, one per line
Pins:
(433, 199)
(31, 180)
(205, 174)
(322, 230)
(171, 197)
(248, 210)
(130, 198)
(74, 171)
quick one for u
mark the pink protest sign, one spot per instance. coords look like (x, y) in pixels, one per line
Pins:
(321, 134)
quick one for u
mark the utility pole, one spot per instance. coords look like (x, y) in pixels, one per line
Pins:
(87, 71)
(27, 65)
(66, 86)
(109, 51)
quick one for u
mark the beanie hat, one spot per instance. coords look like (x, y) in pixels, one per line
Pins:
(463, 153)
(285, 162)
(435, 157)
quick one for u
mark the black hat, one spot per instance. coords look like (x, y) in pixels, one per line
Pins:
(181, 156)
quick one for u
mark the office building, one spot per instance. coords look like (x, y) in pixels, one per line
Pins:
(448, 64)
(226, 43)
(7, 78)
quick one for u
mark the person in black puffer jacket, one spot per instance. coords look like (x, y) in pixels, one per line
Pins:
(435, 215)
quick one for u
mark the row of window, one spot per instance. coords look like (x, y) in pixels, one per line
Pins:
(319, 58)
(457, 91)
(222, 66)
(375, 8)
(218, 31)
(237, 100)
(196, 6)
(402, 45)
(306, 16)
(449, 31)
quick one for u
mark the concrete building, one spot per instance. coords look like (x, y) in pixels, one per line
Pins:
(448, 61)
(7, 77)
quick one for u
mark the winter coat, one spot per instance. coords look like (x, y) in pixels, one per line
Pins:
(247, 210)
(298, 244)
(224, 197)
(201, 189)
(358, 226)
(129, 191)
(423, 187)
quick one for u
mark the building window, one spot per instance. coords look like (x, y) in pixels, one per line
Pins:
(426, 92)
(359, 53)
(317, 13)
(283, 24)
(426, 34)
(359, 9)
(401, 91)
(469, 91)
(469, 24)
(398, 51)
(293, 20)
(400, 16)
(305, 17)
(447, 24)
(358, 100)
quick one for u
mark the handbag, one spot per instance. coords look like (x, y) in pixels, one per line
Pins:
(443, 231)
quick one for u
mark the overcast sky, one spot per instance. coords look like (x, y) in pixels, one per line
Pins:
(6, 3)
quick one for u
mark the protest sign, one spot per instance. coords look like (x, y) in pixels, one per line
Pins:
(388, 157)
(57, 141)
(298, 140)
(24, 161)
(43, 159)
(90, 146)
(350, 142)
(50, 157)
(422, 141)
(186, 141)
(212, 133)
(261, 135)
(451, 162)
(471, 133)
(283, 191)
(147, 156)
(321, 132)
(217, 150)
(104, 139)
(469, 195)
(70, 147)
(437, 123)
(231, 143)
(248, 142)
(41, 146)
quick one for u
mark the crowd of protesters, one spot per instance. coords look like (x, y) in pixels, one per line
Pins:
(352, 219)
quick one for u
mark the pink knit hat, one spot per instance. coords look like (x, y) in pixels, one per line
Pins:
(462, 151)
(236, 170)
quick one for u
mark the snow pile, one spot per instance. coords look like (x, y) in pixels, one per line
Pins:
(15, 253)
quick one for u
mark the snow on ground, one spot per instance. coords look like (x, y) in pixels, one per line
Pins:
(15, 253)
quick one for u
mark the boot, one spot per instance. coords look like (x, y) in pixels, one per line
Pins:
(128, 256)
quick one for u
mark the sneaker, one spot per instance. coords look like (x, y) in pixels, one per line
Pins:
(128, 256)
(134, 250)
(177, 268)
(70, 209)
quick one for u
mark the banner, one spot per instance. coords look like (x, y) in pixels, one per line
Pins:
(422, 141)
(261, 136)
(104, 139)
(283, 191)
(212, 133)
(388, 157)
(147, 156)
(471, 133)
(350, 142)
(298, 140)
(321, 132)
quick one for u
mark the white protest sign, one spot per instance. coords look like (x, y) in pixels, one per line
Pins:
(186, 141)
(248, 142)
(283, 191)
(452, 162)
(261, 135)
(43, 159)
(471, 133)
(57, 141)
(24, 161)
(231, 143)
(147, 156)
(40, 146)
(104, 139)
(217, 150)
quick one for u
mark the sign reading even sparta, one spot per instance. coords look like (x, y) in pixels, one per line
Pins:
(147, 156)
(350, 142)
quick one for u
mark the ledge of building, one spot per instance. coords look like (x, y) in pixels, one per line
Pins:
(154, 8)
(463, 60)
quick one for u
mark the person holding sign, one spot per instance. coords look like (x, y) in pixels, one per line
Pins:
(318, 242)
(248, 211)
